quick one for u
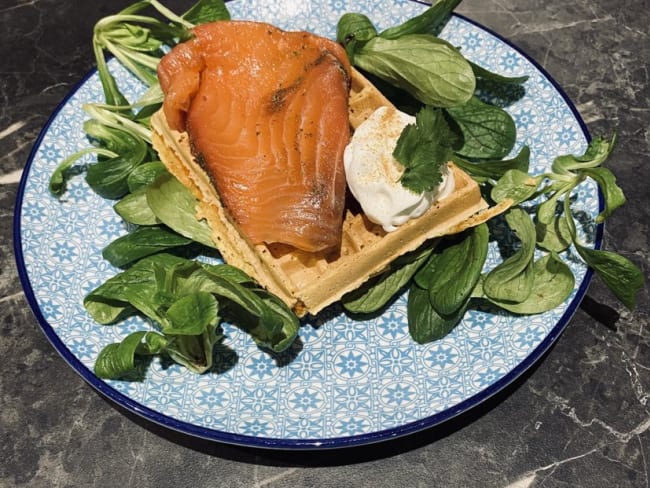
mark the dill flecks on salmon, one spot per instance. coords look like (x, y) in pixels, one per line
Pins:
(267, 115)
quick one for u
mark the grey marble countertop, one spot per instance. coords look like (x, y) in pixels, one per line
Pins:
(579, 418)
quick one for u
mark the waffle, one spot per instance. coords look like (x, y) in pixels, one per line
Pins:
(309, 282)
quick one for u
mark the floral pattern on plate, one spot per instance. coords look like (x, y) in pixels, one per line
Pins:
(345, 381)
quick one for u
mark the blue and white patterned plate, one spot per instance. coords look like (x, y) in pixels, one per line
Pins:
(350, 382)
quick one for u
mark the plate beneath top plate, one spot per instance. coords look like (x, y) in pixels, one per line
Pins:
(345, 382)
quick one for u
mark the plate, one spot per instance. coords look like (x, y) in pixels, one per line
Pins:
(346, 382)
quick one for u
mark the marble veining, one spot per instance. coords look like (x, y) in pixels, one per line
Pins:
(579, 418)
(12, 177)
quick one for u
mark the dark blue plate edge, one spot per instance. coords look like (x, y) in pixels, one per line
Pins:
(297, 444)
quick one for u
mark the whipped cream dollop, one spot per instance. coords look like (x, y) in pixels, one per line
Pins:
(373, 174)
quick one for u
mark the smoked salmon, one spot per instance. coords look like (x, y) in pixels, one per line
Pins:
(266, 112)
(310, 281)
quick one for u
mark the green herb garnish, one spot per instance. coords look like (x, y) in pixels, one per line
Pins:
(423, 148)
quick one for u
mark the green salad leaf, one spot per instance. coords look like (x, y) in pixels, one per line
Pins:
(353, 30)
(621, 276)
(187, 301)
(552, 283)
(204, 11)
(512, 280)
(425, 323)
(488, 131)
(134, 209)
(554, 235)
(175, 206)
(515, 185)
(453, 270)
(613, 195)
(377, 293)
(145, 174)
(488, 75)
(142, 242)
(428, 22)
(429, 68)
(118, 359)
(486, 169)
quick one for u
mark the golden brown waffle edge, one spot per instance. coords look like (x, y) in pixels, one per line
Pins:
(308, 282)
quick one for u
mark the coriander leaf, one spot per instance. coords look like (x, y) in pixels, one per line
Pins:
(422, 148)
(489, 132)
(620, 274)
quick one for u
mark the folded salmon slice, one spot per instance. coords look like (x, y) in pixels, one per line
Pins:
(267, 116)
